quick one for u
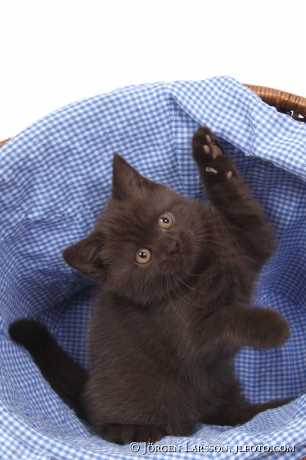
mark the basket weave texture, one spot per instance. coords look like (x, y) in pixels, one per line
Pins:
(4, 142)
(284, 102)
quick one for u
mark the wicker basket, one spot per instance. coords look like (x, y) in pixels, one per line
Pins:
(3, 142)
(289, 103)
(284, 102)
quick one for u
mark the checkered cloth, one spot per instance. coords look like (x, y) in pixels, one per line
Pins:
(55, 180)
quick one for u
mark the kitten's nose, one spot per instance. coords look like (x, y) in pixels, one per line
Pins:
(173, 248)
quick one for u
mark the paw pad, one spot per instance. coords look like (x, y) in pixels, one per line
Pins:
(211, 147)
(212, 170)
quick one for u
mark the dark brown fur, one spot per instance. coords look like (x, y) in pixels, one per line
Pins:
(164, 333)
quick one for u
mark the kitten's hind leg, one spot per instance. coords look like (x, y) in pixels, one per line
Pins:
(226, 190)
(236, 412)
(249, 410)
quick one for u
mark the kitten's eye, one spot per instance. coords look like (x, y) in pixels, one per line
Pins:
(143, 256)
(165, 221)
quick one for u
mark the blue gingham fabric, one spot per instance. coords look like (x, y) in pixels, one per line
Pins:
(55, 179)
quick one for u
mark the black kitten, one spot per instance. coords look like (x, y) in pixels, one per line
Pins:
(178, 278)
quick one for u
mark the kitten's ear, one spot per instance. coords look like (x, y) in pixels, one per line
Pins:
(85, 256)
(126, 180)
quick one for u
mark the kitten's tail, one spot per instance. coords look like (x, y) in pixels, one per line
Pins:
(65, 376)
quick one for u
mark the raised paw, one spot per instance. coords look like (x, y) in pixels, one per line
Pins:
(209, 155)
(205, 140)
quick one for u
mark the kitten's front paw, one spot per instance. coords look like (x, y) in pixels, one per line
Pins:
(209, 155)
(273, 330)
(125, 434)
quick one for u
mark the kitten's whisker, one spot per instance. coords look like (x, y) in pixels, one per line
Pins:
(199, 224)
(229, 225)
(200, 275)
(187, 285)
(170, 301)
(225, 223)
(183, 294)
(201, 244)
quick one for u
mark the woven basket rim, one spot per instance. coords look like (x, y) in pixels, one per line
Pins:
(283, 101)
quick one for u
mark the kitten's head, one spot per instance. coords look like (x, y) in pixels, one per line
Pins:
(146, 242)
